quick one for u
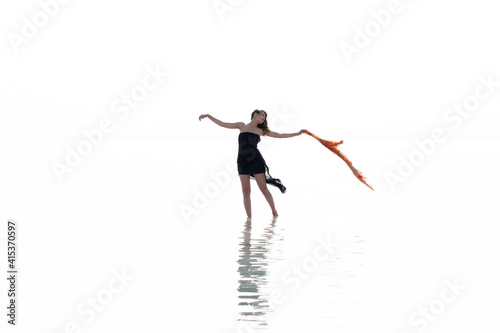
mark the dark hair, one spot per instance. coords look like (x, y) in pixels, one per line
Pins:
(262, 126)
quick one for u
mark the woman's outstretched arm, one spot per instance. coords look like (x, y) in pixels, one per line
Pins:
(223, 124)
(285, 135)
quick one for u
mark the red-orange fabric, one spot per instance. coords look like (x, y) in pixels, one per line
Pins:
(332, 146)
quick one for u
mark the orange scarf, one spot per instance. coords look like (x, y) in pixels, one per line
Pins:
(332, 145)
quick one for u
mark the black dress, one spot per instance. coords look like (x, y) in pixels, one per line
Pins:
(250, 160)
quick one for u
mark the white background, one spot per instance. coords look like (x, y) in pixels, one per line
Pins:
(120, 207)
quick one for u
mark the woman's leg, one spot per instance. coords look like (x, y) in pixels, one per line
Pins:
(245, 186)
(261, 181)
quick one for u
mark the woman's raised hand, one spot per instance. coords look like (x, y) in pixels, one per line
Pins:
(302, 131)
(203, 116)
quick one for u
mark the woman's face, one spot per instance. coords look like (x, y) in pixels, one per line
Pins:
(261, 117)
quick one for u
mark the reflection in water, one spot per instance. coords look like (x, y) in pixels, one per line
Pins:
(327, 298)
(256, 254)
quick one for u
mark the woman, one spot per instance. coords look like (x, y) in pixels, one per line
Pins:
(251, 164)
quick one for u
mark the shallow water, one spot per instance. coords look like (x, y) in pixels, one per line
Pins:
(264, 285)
(339, 257)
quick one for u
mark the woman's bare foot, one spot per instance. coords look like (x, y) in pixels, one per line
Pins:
(275, 214)
(249, 218)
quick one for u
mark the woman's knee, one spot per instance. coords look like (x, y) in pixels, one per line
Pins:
(264, 190)
(246, 192)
